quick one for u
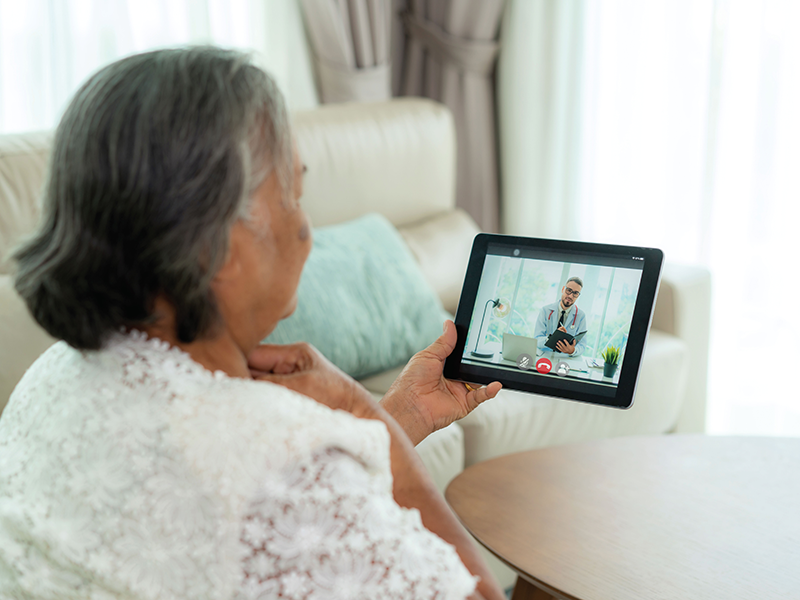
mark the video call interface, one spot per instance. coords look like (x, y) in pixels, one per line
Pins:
(557, 316)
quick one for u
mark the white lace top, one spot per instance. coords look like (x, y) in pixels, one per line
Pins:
(135, 473)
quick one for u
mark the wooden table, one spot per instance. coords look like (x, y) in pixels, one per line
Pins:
(666, 517)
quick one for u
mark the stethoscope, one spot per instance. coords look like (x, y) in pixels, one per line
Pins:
(574, 317)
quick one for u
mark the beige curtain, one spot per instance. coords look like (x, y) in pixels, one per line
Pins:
(540, 99)
(350, 40)
(450, 55)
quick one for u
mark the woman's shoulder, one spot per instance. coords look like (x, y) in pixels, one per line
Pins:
(156, 398)
(258, 414)
(135, 374)
(196, 397)
(238, 431)
(57, 379)
(261, 412)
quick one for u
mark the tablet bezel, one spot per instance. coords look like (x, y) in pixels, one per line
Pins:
(552, 385)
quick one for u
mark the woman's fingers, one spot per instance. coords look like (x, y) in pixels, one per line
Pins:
(492, 390)
(479, 394)
(294, 381)
(280, 358)
(441, 348)
(266, 357)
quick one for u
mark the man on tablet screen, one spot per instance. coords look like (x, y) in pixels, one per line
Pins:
(563, 316)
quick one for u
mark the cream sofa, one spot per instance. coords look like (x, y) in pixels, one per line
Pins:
(398, 158)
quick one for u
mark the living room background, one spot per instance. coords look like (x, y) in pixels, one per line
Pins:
(668, 124)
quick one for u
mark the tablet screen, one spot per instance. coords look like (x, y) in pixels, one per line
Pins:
(565, 319)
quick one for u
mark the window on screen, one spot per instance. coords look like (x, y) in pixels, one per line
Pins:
(607, 297)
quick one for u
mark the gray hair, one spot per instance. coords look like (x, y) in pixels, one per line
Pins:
(154, 159)
(577, 280)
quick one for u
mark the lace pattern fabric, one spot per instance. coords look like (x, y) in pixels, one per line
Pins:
(133, 472)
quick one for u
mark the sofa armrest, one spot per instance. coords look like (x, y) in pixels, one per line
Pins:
(683, 309)
(442, 245)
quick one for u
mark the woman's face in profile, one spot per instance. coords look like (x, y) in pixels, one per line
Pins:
(268, 252)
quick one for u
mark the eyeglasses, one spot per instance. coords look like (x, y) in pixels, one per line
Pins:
(570, 292)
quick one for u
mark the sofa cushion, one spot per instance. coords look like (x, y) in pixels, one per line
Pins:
(442, 453)
(362, 300)
(442, 245)
(380, 383)
(514, 421)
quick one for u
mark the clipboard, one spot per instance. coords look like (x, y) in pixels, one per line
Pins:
(557, 336)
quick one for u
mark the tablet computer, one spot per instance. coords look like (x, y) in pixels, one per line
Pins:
(595, 300)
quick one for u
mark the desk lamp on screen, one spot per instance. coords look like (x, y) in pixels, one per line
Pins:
(500, 309)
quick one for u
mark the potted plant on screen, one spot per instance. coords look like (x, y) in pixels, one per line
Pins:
(611, 356)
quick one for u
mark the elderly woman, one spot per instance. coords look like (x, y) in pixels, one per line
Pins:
(159, 451)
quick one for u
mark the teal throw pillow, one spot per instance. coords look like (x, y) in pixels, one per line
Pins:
(363, 301)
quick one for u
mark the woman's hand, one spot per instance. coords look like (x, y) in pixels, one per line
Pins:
(423, 401)
(302, 368)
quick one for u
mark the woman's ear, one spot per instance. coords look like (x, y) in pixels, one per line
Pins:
(232, 267)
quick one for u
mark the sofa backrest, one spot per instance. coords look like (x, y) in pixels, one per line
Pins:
(396, 158)
(23, 161)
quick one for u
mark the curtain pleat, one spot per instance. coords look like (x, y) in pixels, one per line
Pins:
(450, 56)
(350, 41)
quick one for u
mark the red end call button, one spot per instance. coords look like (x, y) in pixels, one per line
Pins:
(544, 366)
